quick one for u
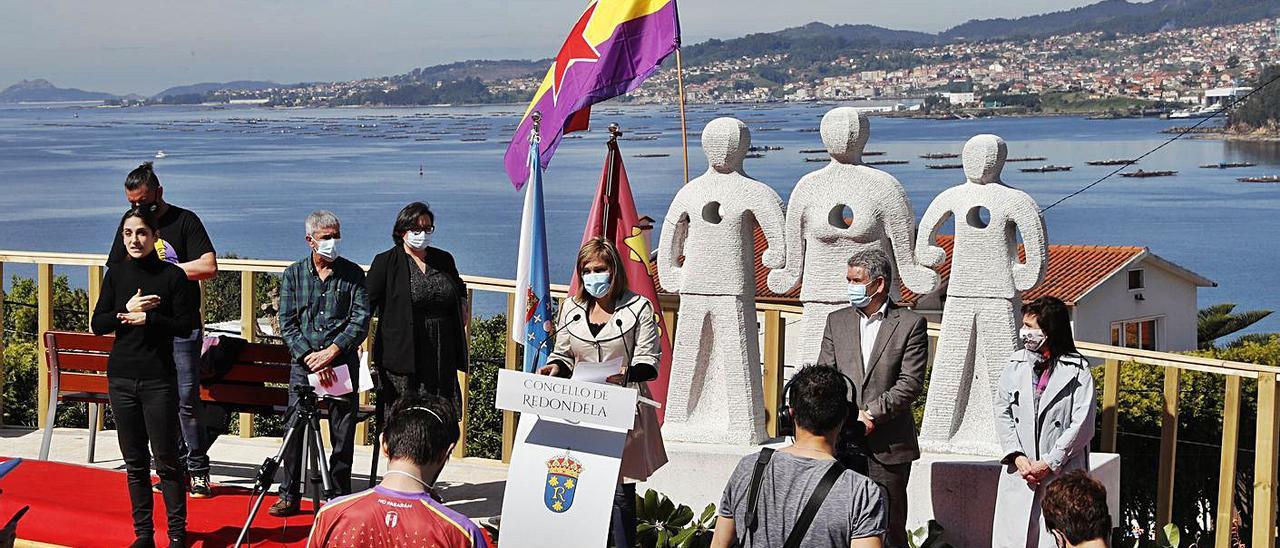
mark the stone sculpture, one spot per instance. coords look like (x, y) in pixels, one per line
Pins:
(981, 313)
(706, 254)
(835, 212)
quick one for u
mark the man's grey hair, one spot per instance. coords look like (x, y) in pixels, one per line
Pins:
(320, 219)
(876, 262)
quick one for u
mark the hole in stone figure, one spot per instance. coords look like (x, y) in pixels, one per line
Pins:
(978, 217)
(841, 216)
(711, 213)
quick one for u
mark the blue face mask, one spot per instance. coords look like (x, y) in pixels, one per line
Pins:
(596, 283)
(858, 296)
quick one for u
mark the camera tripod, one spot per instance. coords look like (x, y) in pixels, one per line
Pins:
(304, 421)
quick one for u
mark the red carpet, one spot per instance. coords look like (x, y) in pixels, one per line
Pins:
(74, 505)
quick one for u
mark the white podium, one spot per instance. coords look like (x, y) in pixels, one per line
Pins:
(565, 461)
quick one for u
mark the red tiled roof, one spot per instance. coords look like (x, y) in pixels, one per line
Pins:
(1072, 271)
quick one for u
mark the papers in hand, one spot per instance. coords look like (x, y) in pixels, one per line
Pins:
(597, 372)
(340, 386)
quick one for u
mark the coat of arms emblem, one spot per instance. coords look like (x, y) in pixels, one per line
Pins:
(562, 481)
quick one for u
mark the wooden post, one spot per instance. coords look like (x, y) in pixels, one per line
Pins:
(464, 384)
(1168, 449)
(2, 294)
(513, 363)
(44, 322)
(1110, 395)
(775, 349)
(1227, 468)
(1265, 465)
(95, 289)
(248, 330)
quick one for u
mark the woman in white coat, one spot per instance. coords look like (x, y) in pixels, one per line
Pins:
(604, 323)
(1045, 409)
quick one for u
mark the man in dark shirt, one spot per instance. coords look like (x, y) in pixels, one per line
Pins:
(324, 317)
(183, 242)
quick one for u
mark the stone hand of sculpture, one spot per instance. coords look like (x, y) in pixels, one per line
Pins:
(670, 248)
(1030, 222)
(773, 259)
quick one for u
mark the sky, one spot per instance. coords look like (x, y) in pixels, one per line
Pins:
(145, 46)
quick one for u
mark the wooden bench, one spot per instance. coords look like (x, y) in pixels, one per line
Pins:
(257, 382)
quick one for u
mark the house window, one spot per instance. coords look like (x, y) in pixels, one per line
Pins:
(1140, 334)
(1135, 280)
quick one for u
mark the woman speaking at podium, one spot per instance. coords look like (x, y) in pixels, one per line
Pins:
(606, 323)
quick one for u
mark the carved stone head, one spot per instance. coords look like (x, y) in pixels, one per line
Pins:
(983, 158)
(845, 131)
(725, 142)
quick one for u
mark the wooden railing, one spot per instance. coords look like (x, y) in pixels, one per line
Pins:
(773, 352)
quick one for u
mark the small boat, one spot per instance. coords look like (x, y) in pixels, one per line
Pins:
(817, 159)
(1263, 179)
(640, 138)
(939, 155)
(768, 129)
(873, 153)
(944, 166)
(1111, 162)
(765, 148)
(651, 155)
(473, 139)
(886, 162)
(754, 155)
(1143, 174)
(1045, 169)
(1225, 165)
(1026, 159)
(160, 154)
(813, 151)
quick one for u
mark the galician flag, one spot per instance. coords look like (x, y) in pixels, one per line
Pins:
(611, 50)
(532, 321)
(622, 227)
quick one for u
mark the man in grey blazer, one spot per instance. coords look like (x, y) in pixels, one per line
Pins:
(884, 349)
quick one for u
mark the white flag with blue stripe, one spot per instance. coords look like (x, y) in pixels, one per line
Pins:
(532, 324)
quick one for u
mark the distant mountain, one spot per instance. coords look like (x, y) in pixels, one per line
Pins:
(816, 41)
(206, 87)
(485, 71)
(1120, 16)
(41, 91)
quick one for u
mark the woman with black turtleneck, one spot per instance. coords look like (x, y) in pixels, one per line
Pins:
(146, 302)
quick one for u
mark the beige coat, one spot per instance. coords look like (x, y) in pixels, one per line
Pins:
(1058, 432)
(632, 335)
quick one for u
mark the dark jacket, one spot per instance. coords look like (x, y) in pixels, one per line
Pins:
(388, 287)
(893, 380)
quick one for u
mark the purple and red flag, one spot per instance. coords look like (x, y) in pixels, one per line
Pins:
(611, 50)
(622, 227)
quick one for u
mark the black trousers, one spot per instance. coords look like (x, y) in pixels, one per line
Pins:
(622, 526)
(146, 412)
(894, 478)
(342, 434)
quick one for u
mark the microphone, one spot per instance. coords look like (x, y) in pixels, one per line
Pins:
(626, 371)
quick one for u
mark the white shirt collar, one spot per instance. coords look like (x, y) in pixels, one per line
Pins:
(878, 315)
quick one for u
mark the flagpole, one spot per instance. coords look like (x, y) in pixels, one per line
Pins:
(611, 168)
(684, 131)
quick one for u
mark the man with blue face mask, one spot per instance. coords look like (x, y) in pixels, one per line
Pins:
(884, 348)
(324, 317)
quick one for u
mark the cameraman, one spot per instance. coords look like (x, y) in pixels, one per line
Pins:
(884, 348)
(324, 316)
(788, 481)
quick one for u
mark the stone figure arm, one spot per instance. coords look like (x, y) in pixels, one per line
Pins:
(785, 279)
(1076, 436)
(928, 255)
(675, 228)
(769, 213)
(1007, 397)
(899, 225)
(906, 389)
(1030, 223)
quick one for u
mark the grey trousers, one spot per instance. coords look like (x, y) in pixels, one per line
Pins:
(894, 479)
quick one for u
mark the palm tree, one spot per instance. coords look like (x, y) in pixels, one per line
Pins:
(1219, 320)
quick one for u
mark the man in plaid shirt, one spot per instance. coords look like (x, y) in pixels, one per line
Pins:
(324, 317)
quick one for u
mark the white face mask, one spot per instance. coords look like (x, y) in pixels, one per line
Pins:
(1032, 339)
(417, 239)
(327, 248)
(596, 283)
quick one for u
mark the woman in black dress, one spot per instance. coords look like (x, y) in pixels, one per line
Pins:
(146, 302)
(420, 303)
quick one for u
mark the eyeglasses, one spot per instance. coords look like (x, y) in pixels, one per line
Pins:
(427, 229)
